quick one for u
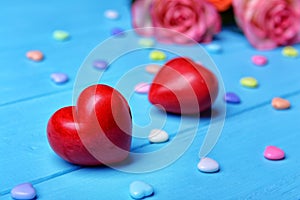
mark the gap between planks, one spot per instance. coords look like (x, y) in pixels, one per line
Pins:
(64, 172)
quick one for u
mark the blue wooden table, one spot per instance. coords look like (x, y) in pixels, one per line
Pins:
(29, 98)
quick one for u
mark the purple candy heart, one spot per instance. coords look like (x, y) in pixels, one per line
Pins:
(23, 191)
(59, 77)
(117, 32)
(100, 64)
(231, 97)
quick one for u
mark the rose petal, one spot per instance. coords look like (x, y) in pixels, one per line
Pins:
(141, 18)
(257, 42)
(268, 24)
(198, 20)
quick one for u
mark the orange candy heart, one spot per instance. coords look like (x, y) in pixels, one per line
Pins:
(280, 103)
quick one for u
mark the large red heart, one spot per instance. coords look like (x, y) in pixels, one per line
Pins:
(96, 131)
(183, 87)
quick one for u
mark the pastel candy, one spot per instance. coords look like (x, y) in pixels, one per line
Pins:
(59, 78)
(249, 82)
(61, 35)
(23, 191)
(289, 51)
(117, 32)
(274, 153)
(111, 14)
(140, 189)
(158, 136)
(157, 55)
(259, 60)
(35, 55)
(280, 103)
(142, 88)
(231, 97)
(153, 68)
(214, 48)
(208, 165)
(100, 64)
(145, 42)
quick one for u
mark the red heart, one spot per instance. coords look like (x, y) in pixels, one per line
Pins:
(96, 131)
(183, 87)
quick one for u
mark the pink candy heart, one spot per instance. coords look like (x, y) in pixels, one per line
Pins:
(142, 88)
(259, 60)
(273, 153)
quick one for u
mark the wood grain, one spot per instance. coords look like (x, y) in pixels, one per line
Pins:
(28, 98)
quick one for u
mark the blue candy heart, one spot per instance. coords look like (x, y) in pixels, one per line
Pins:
(140, 189)
(231, 97)
(23, 191)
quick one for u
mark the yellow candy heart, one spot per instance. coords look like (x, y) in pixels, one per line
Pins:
(249, 82)
(61, 35)
(157, 55)
(289, 51)
(144, 42)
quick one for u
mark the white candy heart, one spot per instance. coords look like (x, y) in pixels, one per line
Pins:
(158, 136)
(140, 189)
(208, 165)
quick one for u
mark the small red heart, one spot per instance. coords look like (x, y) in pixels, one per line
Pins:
(184, 87)
(96, 131)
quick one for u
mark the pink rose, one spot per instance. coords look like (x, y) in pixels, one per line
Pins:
(269, 23)
(196, 19)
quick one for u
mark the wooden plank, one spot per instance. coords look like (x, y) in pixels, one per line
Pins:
(26, 119)
(245, 173)
(23, 79)
(25, 153)
(29, 98)
(30, 27)
(23, 142)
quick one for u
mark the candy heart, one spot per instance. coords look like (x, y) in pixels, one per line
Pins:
(111, 14)
(289, 51)
(142, 88)
(100, 64)
(23, 191)
(259, 60)
(158, 136)
(35, 55)
(208, 165)
(59, 77)
(95, 131)
(146, 42)
(273, 153)
(231, 97)
(249, 82)
(61, 35)
(214, 48)
(140, 189)
(157, 55)
(280, 103)
(153, 68)
(183, 87)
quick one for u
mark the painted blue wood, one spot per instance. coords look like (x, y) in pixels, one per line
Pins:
(24, 148)
(29, 26)
(244, 174)
(28, 98)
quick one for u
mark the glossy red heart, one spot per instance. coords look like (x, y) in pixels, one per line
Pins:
(183, 87)
(96, 131)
